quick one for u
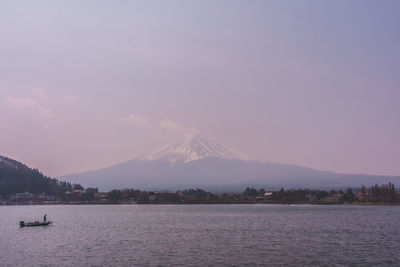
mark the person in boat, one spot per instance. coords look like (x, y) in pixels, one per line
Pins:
(44, 218)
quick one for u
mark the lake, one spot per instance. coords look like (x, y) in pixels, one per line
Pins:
(198, 235)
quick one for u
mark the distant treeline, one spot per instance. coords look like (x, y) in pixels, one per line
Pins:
(17, 178)
(386, 193)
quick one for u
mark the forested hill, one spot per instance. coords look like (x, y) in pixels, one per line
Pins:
(16, 177)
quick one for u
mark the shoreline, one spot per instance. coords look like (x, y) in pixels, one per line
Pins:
(188, 204)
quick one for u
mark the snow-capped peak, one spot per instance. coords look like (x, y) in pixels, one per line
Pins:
(193, 148)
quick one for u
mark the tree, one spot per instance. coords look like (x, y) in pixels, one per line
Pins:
(251, 192)
(115, 195)
(349, 196)
(393, 191)
(78, 187)
(364, 193)
(261, 191)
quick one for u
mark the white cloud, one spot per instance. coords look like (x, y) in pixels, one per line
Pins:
(70, 99)
(135, 120)
(39, 92)
(31, 106)
(177, 128)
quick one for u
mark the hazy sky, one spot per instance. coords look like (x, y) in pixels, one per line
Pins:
(85, 84)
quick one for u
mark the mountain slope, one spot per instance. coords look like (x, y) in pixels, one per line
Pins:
(198, 163)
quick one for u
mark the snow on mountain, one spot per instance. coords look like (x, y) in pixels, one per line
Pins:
(197, 163)
(193, 148)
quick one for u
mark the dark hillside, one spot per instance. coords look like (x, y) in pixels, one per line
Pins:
(16, 177)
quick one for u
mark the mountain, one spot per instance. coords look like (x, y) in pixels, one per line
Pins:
(16, 177)
(191, 149)
(196, 162)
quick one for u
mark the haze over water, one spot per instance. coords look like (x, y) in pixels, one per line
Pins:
(200, 235)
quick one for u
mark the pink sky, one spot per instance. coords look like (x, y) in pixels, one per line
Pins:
(311, 83)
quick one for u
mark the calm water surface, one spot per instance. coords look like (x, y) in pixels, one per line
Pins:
(198, 235)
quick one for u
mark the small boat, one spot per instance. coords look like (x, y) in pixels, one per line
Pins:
(23, 224)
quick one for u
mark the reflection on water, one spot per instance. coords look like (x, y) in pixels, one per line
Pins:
(201, 235)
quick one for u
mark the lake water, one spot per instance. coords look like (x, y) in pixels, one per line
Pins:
(198, 235)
